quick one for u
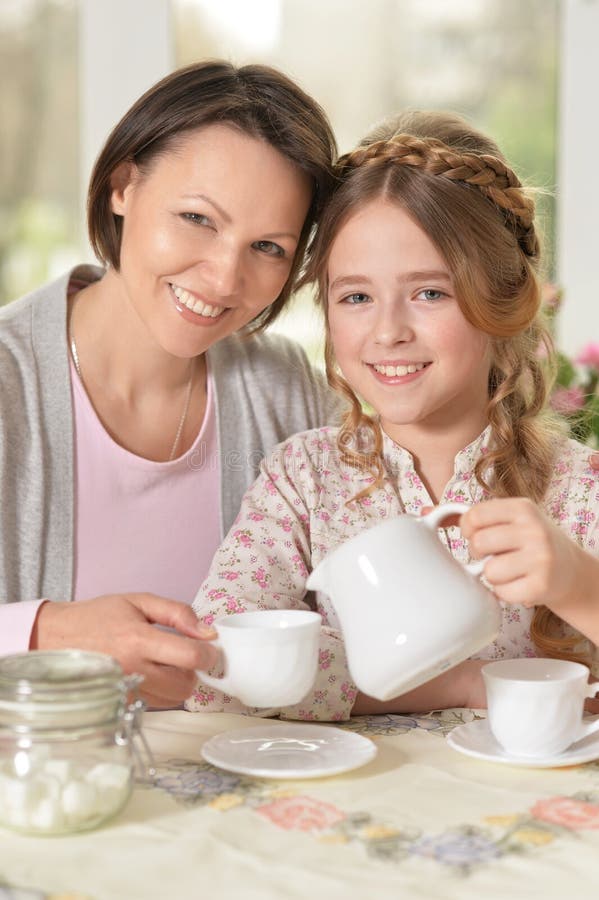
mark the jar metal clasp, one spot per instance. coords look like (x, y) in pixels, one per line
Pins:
(143, 758)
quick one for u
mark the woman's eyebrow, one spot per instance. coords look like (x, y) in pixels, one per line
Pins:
(225, 215)
(227, 218)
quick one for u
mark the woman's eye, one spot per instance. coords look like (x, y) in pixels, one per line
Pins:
(197, 218)
(269, 248)
(356, 299)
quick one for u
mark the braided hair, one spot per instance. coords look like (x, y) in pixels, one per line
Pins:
(455, 183)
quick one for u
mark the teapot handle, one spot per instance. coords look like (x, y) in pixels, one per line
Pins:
(433, 520)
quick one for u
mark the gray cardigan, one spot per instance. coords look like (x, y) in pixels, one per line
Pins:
(265, 390)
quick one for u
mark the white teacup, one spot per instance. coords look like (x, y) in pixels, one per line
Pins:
(271, 656)
(535, 706)
(408, 610)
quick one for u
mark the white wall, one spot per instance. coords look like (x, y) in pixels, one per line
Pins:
(124, 47)
(578, 174)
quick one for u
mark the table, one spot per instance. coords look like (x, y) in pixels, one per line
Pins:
(419, 821)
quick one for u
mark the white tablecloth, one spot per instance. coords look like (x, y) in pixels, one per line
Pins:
(419, 821)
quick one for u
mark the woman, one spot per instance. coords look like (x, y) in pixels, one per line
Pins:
(124, 460)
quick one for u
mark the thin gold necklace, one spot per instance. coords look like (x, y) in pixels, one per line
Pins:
(183, 418)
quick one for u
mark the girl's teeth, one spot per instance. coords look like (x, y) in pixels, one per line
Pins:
(395, 371)
(202, 309)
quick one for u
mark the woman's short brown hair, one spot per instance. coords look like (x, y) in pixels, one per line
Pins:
(258, 100)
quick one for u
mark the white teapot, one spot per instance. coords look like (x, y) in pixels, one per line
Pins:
(407, 609)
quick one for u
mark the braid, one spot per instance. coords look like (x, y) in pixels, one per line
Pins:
(489, 174)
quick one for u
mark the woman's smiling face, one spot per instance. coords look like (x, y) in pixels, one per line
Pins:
(399, 335)
(209, 235)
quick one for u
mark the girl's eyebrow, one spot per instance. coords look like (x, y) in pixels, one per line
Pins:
(343, 280)
(425, 275)
(435, 274)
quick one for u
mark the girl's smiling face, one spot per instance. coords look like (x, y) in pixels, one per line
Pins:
(399, 335)
(209, 235)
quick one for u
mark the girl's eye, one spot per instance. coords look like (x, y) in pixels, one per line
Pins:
(356, 299)
(269, 248)
(197, 218)
(431, 295)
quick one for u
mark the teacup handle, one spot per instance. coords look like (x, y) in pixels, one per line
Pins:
(433, 520)
(591, 725)
(221, 684)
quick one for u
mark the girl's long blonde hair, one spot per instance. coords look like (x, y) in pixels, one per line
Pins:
(455, 183)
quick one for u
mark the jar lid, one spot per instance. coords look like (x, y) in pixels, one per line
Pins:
(48, 672)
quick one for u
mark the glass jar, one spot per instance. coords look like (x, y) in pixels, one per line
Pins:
(67, 740)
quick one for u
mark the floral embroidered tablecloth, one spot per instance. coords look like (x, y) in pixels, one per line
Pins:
(419, 821)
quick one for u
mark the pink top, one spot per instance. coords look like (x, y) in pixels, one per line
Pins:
(142, 525)
(139, 525)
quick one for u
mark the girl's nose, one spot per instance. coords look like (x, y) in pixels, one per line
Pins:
(392, 327)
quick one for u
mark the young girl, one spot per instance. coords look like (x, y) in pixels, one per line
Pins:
(426, 263)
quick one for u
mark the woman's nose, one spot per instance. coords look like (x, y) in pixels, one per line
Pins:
(223, 272)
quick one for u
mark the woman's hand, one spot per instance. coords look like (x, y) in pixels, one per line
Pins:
(532, 561)
(122, 625)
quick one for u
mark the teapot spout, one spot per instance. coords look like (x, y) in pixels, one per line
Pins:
(320, 578)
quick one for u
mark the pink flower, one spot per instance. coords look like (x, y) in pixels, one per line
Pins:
(243, 537)
(230, 576)
(301, 813)
(260, 577)
(566, 811)
(255, 517)
(589, 355)
(324, 659)
(234, 606)
(551, 295)
(203, 696)
(299, 564)
(348, 692)
(567, 400)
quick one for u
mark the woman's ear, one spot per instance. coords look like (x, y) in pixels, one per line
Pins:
(121, 180)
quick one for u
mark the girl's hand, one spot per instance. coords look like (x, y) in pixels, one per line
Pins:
(532, 561)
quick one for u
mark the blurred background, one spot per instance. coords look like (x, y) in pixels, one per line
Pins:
(516, 68)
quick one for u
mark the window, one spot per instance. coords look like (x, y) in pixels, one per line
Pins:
(39, 183)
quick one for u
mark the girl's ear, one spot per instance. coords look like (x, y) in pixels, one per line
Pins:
(121, 180)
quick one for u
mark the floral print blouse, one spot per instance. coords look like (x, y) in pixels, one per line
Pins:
(296, 513)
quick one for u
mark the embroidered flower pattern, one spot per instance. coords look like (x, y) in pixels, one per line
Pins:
(301, 813)
(462, 848)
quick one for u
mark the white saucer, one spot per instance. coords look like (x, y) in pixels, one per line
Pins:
(475, 739)
(289, 750)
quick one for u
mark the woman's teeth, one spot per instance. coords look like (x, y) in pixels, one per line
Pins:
(196, 306)
(395, 371)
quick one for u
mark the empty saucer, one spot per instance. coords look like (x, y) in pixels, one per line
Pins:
(294, 750)
(475, 739)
